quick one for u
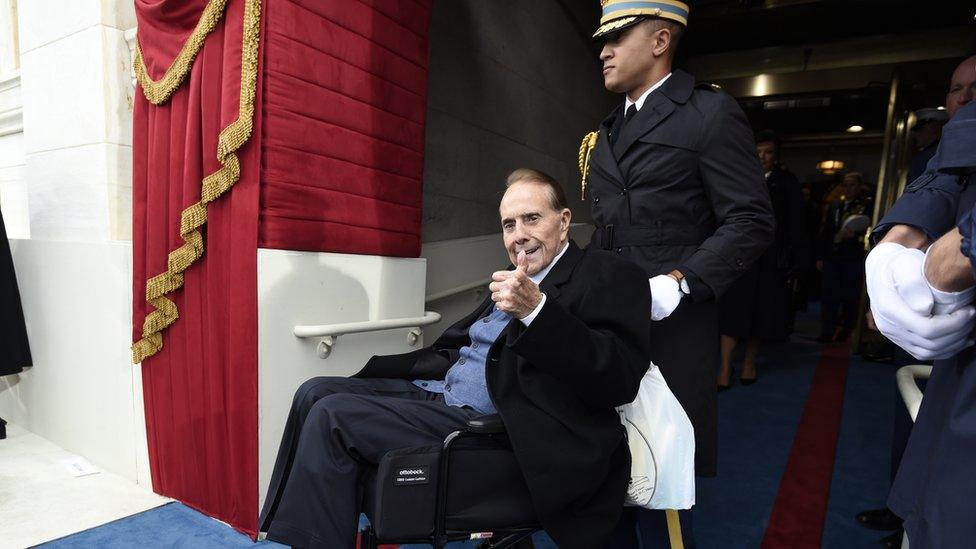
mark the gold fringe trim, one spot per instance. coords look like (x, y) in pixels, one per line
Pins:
(231, 139)
(586, 149)
(159, 91)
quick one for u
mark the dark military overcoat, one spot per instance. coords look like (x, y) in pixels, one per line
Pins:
(680, 187)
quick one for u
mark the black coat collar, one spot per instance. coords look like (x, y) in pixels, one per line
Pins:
(561, 271)
(676, 90)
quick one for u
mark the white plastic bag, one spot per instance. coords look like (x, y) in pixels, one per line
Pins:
(662, 447)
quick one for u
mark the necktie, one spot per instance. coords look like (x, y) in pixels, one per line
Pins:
(631, 111)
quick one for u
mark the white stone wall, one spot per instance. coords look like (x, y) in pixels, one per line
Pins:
(13, 189)
(66, 100)
(83, 393)
(66, 96)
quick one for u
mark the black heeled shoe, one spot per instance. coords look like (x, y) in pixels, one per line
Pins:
(729, 386)
(749, 380)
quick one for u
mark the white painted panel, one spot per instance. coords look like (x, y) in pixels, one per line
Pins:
(82, 393)
(323, 288)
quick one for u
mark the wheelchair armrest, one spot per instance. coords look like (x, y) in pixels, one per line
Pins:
(486, 425)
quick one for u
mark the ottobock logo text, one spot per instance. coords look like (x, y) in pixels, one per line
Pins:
(416, 475)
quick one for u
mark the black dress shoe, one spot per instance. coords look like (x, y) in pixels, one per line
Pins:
(879, 519)
(879, 356)
(893, 541)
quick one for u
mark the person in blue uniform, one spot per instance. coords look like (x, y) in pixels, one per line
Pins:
(676, 188)
(931, 206)
(927, 131)
(922, 302)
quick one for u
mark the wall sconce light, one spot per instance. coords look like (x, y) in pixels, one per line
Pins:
(830, 167)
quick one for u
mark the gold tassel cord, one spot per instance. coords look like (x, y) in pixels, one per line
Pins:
(159, 91)
(231, 139)
(586, 149)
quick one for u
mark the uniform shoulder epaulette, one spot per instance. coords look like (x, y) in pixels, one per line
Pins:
(586, 149)
(708, 86)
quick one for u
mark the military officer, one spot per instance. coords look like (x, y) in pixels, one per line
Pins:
(840, 256)
(675, 187)
(931, 316)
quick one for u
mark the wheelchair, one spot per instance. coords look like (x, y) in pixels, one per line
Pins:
(468, 488)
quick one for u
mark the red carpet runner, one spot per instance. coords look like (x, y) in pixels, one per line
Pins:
(797, 519)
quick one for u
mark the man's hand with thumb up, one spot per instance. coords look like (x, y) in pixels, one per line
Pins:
(513, 291)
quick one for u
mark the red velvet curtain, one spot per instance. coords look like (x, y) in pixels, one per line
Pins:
(345, 105)
(201, 388)
(334, 163)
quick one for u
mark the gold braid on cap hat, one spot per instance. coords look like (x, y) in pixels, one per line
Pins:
(586, 148)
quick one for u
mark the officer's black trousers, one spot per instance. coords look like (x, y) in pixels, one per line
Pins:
(842, 281)
(652, 528)
(337, 431)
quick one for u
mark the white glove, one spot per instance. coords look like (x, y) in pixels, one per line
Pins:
(665, 296)
(903, 305)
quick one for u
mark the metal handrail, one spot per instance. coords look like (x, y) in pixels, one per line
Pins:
(330, 332)
(346, 328)
(457, 290)
(908, 387)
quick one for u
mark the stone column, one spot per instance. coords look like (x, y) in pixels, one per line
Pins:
(13, 191)
(77, 114)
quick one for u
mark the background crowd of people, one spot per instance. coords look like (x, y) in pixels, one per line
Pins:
(817, 255)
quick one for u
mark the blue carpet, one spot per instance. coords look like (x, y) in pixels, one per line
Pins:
(861, 468)
(755, 433)
(172, 525)
(756, 429)
(177, 526)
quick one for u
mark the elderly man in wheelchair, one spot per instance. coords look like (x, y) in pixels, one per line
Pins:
(524, 389)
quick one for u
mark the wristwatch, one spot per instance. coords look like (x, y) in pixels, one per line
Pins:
(682, 282)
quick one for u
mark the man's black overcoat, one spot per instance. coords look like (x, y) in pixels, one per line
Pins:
(682, 188)
(556, 383)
